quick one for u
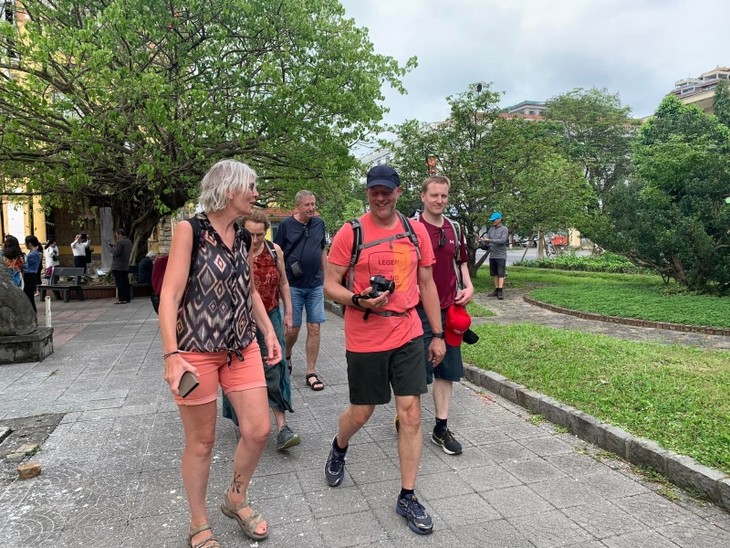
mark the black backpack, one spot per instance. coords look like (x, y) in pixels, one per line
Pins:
(456, 227)
(357, 246)
(161, 263)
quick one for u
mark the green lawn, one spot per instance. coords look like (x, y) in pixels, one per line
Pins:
(676, 396)
(628, 295)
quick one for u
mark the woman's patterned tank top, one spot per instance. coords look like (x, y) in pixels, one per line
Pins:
(216, 310)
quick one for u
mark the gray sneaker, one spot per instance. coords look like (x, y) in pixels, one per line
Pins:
(334, 469)
(286, 439)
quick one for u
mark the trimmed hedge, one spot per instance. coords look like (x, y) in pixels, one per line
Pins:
(606, 262)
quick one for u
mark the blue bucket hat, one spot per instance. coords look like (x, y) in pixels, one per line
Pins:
(496, 215)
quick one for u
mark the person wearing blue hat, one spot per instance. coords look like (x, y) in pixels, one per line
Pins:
(497, 237)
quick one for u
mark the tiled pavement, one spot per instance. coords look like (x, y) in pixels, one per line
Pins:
(111, 469)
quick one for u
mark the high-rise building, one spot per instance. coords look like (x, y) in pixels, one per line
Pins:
(700, 91)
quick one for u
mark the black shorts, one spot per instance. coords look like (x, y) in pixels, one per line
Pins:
(371, 374)
(451, 367)
(497, 267)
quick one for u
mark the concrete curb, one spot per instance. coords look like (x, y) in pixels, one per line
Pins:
(679, 469)
(704, 330)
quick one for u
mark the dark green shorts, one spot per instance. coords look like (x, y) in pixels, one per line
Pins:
(371, 374)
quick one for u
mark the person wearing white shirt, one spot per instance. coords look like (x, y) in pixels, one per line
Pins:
(50, 254)
(79, 247)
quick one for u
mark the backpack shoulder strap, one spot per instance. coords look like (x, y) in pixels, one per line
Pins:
(457, 256)
(356, 248)
(457, 235)
(197, 230)
(358, 245)
(410, 233)
(247, 240)
(272, 250)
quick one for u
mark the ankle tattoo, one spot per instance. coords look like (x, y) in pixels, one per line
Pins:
(237, 484)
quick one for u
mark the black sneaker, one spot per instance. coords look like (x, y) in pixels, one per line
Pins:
(500, 296)
(416, 516)
(492, 294)
(334, 470)
(447, 442)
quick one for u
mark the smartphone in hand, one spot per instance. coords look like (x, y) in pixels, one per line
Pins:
(188, 383)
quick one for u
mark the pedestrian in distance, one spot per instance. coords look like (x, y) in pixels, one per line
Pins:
(455, 290)
(32, 268)
(383, 333)
(121, 251)
(271, 283)
(209, 311)
(13, 259)
(497, 238)
(302, 237)
(144, 268)
(79, 247)
(51, 255)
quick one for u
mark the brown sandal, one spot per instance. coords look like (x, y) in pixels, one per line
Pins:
(210, 542)
(248, 525)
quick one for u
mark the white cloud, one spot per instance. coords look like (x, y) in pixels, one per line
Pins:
(536, 49)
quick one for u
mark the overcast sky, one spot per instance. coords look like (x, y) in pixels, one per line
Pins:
(537, 49)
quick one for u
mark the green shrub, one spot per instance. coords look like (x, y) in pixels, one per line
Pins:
(606, 262)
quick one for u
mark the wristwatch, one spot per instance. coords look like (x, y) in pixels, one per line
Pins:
(356, 299)
(439, 335)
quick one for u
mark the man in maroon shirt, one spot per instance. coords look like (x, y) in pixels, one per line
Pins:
(451, 275)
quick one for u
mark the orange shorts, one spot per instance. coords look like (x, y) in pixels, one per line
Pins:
(213, 370)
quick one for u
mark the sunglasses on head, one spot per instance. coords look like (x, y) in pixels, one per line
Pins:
(442, 237)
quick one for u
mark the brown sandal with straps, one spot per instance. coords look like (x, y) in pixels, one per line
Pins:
(210, 542)
(249, 524)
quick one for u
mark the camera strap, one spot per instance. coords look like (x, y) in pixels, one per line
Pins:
(293, 246)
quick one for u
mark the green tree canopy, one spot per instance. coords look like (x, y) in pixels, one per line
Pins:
(673, 217)
(598, 135)
(721, 102)
(513, 165)
(126, 103)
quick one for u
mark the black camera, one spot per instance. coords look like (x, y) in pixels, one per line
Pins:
(484, 246)
(379, 285)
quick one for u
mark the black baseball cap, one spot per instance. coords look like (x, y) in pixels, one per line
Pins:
(383, 176)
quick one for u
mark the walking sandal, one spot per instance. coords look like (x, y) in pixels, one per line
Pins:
(248, 524)
(210, 542)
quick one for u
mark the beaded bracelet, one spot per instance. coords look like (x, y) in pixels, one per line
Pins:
(168, 354)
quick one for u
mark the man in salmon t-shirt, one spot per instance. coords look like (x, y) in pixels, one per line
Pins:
(383, 333)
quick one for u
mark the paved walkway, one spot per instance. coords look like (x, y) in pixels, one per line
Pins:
(111, 469)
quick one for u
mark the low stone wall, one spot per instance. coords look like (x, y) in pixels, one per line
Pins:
(33, 347)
